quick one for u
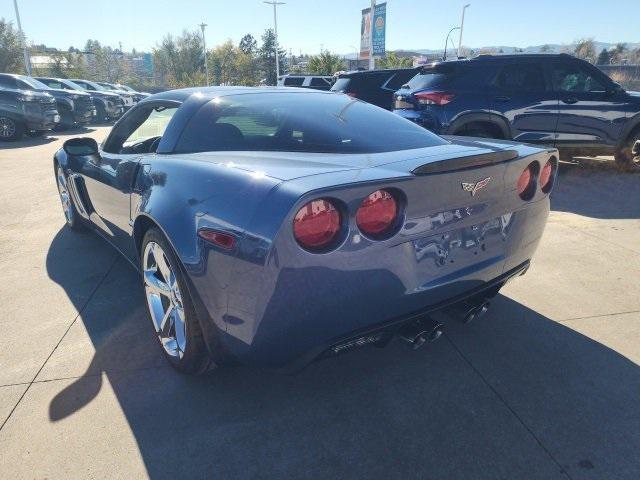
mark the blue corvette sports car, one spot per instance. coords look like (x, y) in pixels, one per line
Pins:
(276, 226)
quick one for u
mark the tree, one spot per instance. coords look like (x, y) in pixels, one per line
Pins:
(248, 44)
(392, 60)
(267, 54)
(604, 58)
(618, 53)
(10, 48)
(585, 50)
(179, 62)
(545, 48)
(325, 64)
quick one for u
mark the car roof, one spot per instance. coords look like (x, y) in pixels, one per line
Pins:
(375, 72)
(500, 58)
(209, 93)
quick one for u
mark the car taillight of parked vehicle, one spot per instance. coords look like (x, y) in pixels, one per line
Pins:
(547, 175)
(526, 182)
(377, 214)
(317, 224)
(434, 98)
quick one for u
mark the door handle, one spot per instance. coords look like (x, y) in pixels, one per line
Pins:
(502, 98)
(570, 100)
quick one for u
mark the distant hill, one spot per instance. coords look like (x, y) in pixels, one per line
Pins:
(550, 48)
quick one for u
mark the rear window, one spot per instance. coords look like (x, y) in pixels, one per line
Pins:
(293, 81)
(291, 122)
(430, 78)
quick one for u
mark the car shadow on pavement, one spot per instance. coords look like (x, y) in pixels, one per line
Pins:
(28, 142)
(513, 395)
(597, 190)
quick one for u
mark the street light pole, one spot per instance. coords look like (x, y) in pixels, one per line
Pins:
(25, 51)
(446, 43)
(275, 31)
(204, 47)
(461, 28)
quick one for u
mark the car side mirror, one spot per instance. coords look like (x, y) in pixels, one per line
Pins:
(83, 146)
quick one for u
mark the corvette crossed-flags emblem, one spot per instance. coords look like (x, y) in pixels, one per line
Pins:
(474, 187)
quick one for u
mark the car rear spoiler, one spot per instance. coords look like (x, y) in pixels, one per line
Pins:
(464, 163)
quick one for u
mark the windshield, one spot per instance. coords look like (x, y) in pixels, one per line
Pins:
(71, 84)
(37, 84)
(124, 87)
(431, 77)
(341, 85)
(300, 122)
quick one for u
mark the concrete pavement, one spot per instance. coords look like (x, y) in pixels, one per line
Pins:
(546, 386)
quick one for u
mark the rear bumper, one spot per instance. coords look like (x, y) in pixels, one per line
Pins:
(425, 119)
(387, 330)
(303, 310)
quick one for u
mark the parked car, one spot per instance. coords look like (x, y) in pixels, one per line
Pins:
(109, 106)
(75, 108)
(314, 82)
(555, 100)
(137, 95)
(130, 98)
(374, 86)
(24, 110)
(275, 227)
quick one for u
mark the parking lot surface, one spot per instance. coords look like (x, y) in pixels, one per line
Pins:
(545, 386)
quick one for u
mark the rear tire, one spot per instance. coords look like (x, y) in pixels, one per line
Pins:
(479, 130)
(66, 121)
(72, 218)
(625, 157)
(170, 307)
(10, 129)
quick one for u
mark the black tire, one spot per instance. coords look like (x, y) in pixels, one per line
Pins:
(479, 130)
(10, 129)
(73, 220)
(66, 121)
(195, 359)
(625, 157)
(101, 114)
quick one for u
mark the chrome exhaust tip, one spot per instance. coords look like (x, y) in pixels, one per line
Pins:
(416, 334)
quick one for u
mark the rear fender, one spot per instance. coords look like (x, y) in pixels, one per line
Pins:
(181, 197)
(481, 117)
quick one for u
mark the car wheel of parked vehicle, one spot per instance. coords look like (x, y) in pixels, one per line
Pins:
(101, 114)
(68, 208)
(171, 309)
(625, 157)
(479, 130)
(66, 121)
(10, 129)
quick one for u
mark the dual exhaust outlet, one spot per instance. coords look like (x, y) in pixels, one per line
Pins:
(424, 330)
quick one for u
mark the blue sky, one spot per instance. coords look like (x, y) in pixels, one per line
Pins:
(306, 25)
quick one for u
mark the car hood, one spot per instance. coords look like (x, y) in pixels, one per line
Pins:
(291, 165)
(97, 93)
(33, 93)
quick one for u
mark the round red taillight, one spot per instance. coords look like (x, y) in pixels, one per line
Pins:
(377, 213)
(316, 225)
(525, 183)
(546, 176)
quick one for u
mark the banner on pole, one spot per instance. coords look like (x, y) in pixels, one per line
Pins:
(379, 30)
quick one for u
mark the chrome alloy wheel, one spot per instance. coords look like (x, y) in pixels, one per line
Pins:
(164, 299)
(7, 127)
(65, 199)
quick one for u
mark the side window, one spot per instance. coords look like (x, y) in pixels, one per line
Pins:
(294, 81)
(398, 80)
(137, 133)
(7, 82)
(575, 78)
(521, 78)
(320, 82)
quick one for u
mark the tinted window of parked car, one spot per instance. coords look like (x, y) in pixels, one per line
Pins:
(293, 81)
(375, 86)
(571, 77)
(7, 82)
(521, 77)
(291, 122)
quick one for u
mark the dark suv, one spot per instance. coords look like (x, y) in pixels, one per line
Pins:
(24, 110)
(374, 86)
(75, 108)
(554, 100)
